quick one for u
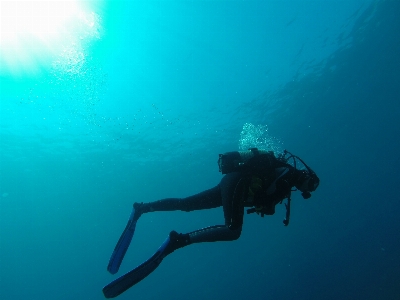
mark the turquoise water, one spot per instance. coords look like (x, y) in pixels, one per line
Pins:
(135, 104)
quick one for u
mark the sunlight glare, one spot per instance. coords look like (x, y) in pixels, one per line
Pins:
(34, 33)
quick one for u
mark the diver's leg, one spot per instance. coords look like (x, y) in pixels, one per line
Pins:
(205, 200)
(229, 193)
(208, 199)
(232, 189)
(232, 193)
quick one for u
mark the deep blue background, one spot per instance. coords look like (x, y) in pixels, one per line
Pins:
(167, 88)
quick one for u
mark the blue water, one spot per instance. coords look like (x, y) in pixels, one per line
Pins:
(165, 88)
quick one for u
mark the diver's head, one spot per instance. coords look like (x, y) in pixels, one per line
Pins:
(306, 182)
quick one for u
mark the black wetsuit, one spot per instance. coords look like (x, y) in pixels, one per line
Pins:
(232, 194)
(261, 183)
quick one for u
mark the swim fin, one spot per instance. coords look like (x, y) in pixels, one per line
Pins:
(122, 245)
(128, 280)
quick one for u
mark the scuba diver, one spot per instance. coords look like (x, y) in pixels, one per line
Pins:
(255, 179)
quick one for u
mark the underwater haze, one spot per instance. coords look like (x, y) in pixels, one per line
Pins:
(108, 103)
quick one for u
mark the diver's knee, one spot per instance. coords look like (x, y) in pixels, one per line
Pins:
(235, 232)
(235, 225)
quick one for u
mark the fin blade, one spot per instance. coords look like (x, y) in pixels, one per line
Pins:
(123, 283)
(122, 245)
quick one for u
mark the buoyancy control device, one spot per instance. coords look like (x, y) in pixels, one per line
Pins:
(258, 161)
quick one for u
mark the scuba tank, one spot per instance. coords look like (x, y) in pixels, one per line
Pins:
(239, 161)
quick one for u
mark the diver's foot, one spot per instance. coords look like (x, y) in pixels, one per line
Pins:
(139, 210)
(176, 241)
